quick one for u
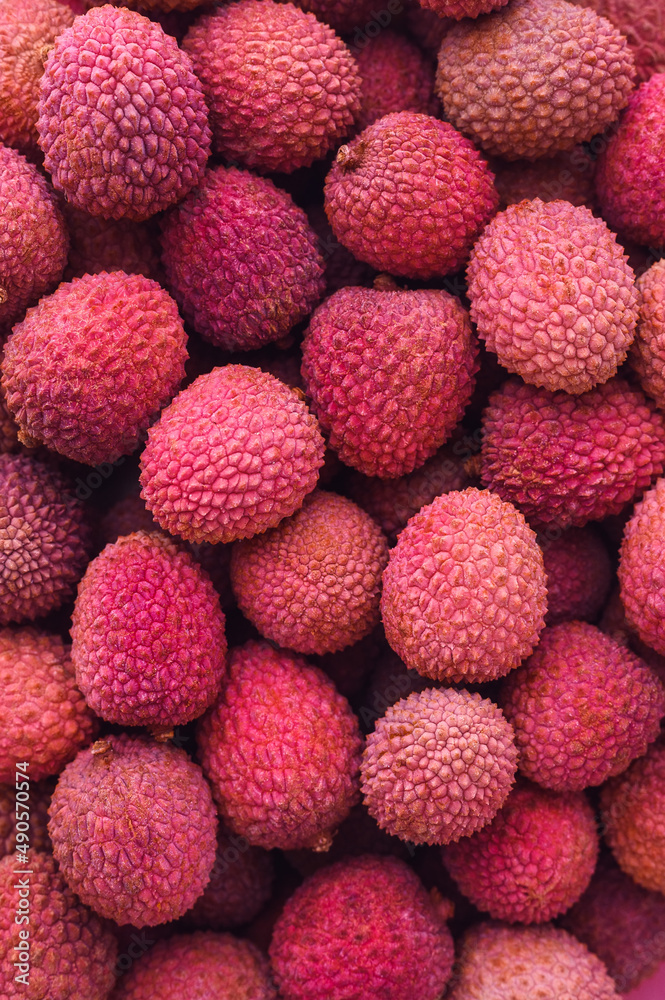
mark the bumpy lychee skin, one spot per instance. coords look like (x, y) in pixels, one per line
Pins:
(462, 8)
(497, 962)
(622, 923)
(43, 717)
(533, 861)
(45, 539)
(232, 455)
(396, 76)
(568, 176)
(565, 460)
(281, 87)
(438, 766)
(364, 927)
(342, 15)
(97, 244)
(134, 829)
(641, 21)
(582, 706)
(199, 965)
(641, 568)
(647, 356)
(123, 123)
(33, 820)
(464, 592)
(313, 582)
(241, 260)
(33, 236)
(389, 374)
(630, 180)
(505, 80)
(70, 953)
(579, 575)
(276, 711)
(410, 195)
(92, 364)
(553, 295)
(633, 813)
(148, 640)
(28, 28)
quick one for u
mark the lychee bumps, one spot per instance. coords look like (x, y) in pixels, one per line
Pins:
(641, 568)
(647, 356)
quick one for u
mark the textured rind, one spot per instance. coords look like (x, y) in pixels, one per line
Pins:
(364, 927)
(90, 365)
(201, 966)
(134, 830)
(533, 861)
(33, 237)
(155, 7)
(410, 195)
(565, 460)
(582, 707)
(462, 8)
(342, 15)
(641, 573)
(633, 814)
(45, 539)
(241, 259)
(43, 717)
(622, 923)
(234, 453)
(643, 24)
(464, 593)
(534, 78)
(389, 374)
(510, 963)
(438, 766)
(630, 172)
(72, 952)
(276, 712)
(109, 245)
(579, 575)
(647, 356)
(9, 443)
(313, 583)
(568, 176)
(36, 818)
(122, 119)
(552, 295)
(28, 28)
(426, 27)
(281, 87)
(148, 640)
(396, 76)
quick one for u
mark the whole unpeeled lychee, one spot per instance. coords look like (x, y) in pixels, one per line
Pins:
(438, 766)
(464, 592)
(579, 575)
(234, 453)
(123, 123)
(389, 374)
(281, 87)
(241, 260)
(364, 927)
(647, 356)
(552, 295)
(641, 568)
(534, 78)
(275, 713)
(133, 828)
(396, 76)
(409, 195)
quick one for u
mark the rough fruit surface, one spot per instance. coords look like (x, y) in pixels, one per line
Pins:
(313, 582)
(647, 356)
(90, 365)
(234, 453)
(342, 15)
(533, 861)
(566, 460)
(643, 24)
(281, 87)
(438, 766)
(241, 260)
(43, 717)
(72, 952)
(567, 176)
(364, 927)
(641, 570)
(459, 9)
(579, 575)
(396, 76)
(534, 78)
(148, 639)
(134, 829)
(582, 706)
(97, 245)
(389, 374)
(552, 295)
(464, 592)
(275, 712)
(122, 119)
(409, 195)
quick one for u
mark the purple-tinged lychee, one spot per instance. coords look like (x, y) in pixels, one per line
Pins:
(97, 244)
(568, 176)
(396, 76)
(579, 575)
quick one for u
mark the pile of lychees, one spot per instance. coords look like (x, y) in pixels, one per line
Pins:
(332, 499)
